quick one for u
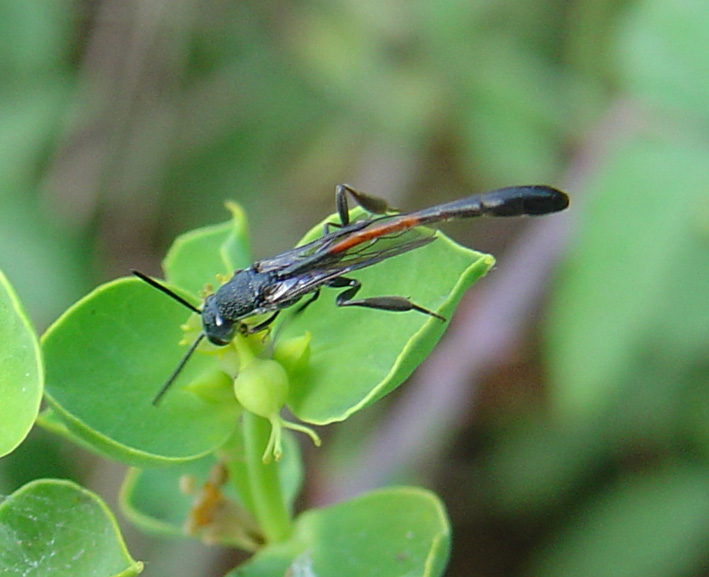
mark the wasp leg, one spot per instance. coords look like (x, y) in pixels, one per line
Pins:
(263, 325)
(343, 209)
(387, 303)
(369, 203)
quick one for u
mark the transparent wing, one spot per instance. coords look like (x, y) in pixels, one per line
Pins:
(295, 256)
(316, 269)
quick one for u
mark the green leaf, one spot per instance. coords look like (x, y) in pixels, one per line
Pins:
(50, 421)
(648, 526)
(107, 357)
(358, 355)
(55, 527)
(197, 256)
(393, 531)
(21, 372)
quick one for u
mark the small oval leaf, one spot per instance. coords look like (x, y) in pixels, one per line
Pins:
(107, 357)
(21, 372)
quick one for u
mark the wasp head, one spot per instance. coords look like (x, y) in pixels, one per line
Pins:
(219, 331)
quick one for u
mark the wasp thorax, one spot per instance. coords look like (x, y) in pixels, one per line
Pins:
(237, 299)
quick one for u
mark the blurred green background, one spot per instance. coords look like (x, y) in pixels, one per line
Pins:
(580, 442)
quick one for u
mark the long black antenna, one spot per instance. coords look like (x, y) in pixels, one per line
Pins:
(155, 284)
(177, 370)
(163, 289)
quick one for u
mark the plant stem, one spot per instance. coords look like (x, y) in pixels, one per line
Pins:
(269, 505)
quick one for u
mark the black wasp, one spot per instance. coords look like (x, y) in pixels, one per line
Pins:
(273, 284)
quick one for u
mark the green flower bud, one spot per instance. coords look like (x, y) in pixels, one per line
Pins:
(262, 387)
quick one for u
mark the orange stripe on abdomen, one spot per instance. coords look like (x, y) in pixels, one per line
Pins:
(403, 222)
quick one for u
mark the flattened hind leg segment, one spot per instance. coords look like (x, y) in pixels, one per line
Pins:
(372, 204)
(384, 303)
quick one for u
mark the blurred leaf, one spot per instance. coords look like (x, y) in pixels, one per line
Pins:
(34, 36)
(34, 46)
(695, 418)
(53, 527)
(503, 129)
(44, 265)
(682, 326)
(21, 371)
(41, 454)
(661, 50)
(394, 531)
(28, 121)
(538, 466)
(652, 525)
(640, 223)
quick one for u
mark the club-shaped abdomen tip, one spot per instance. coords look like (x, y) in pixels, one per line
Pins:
(545, 200)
